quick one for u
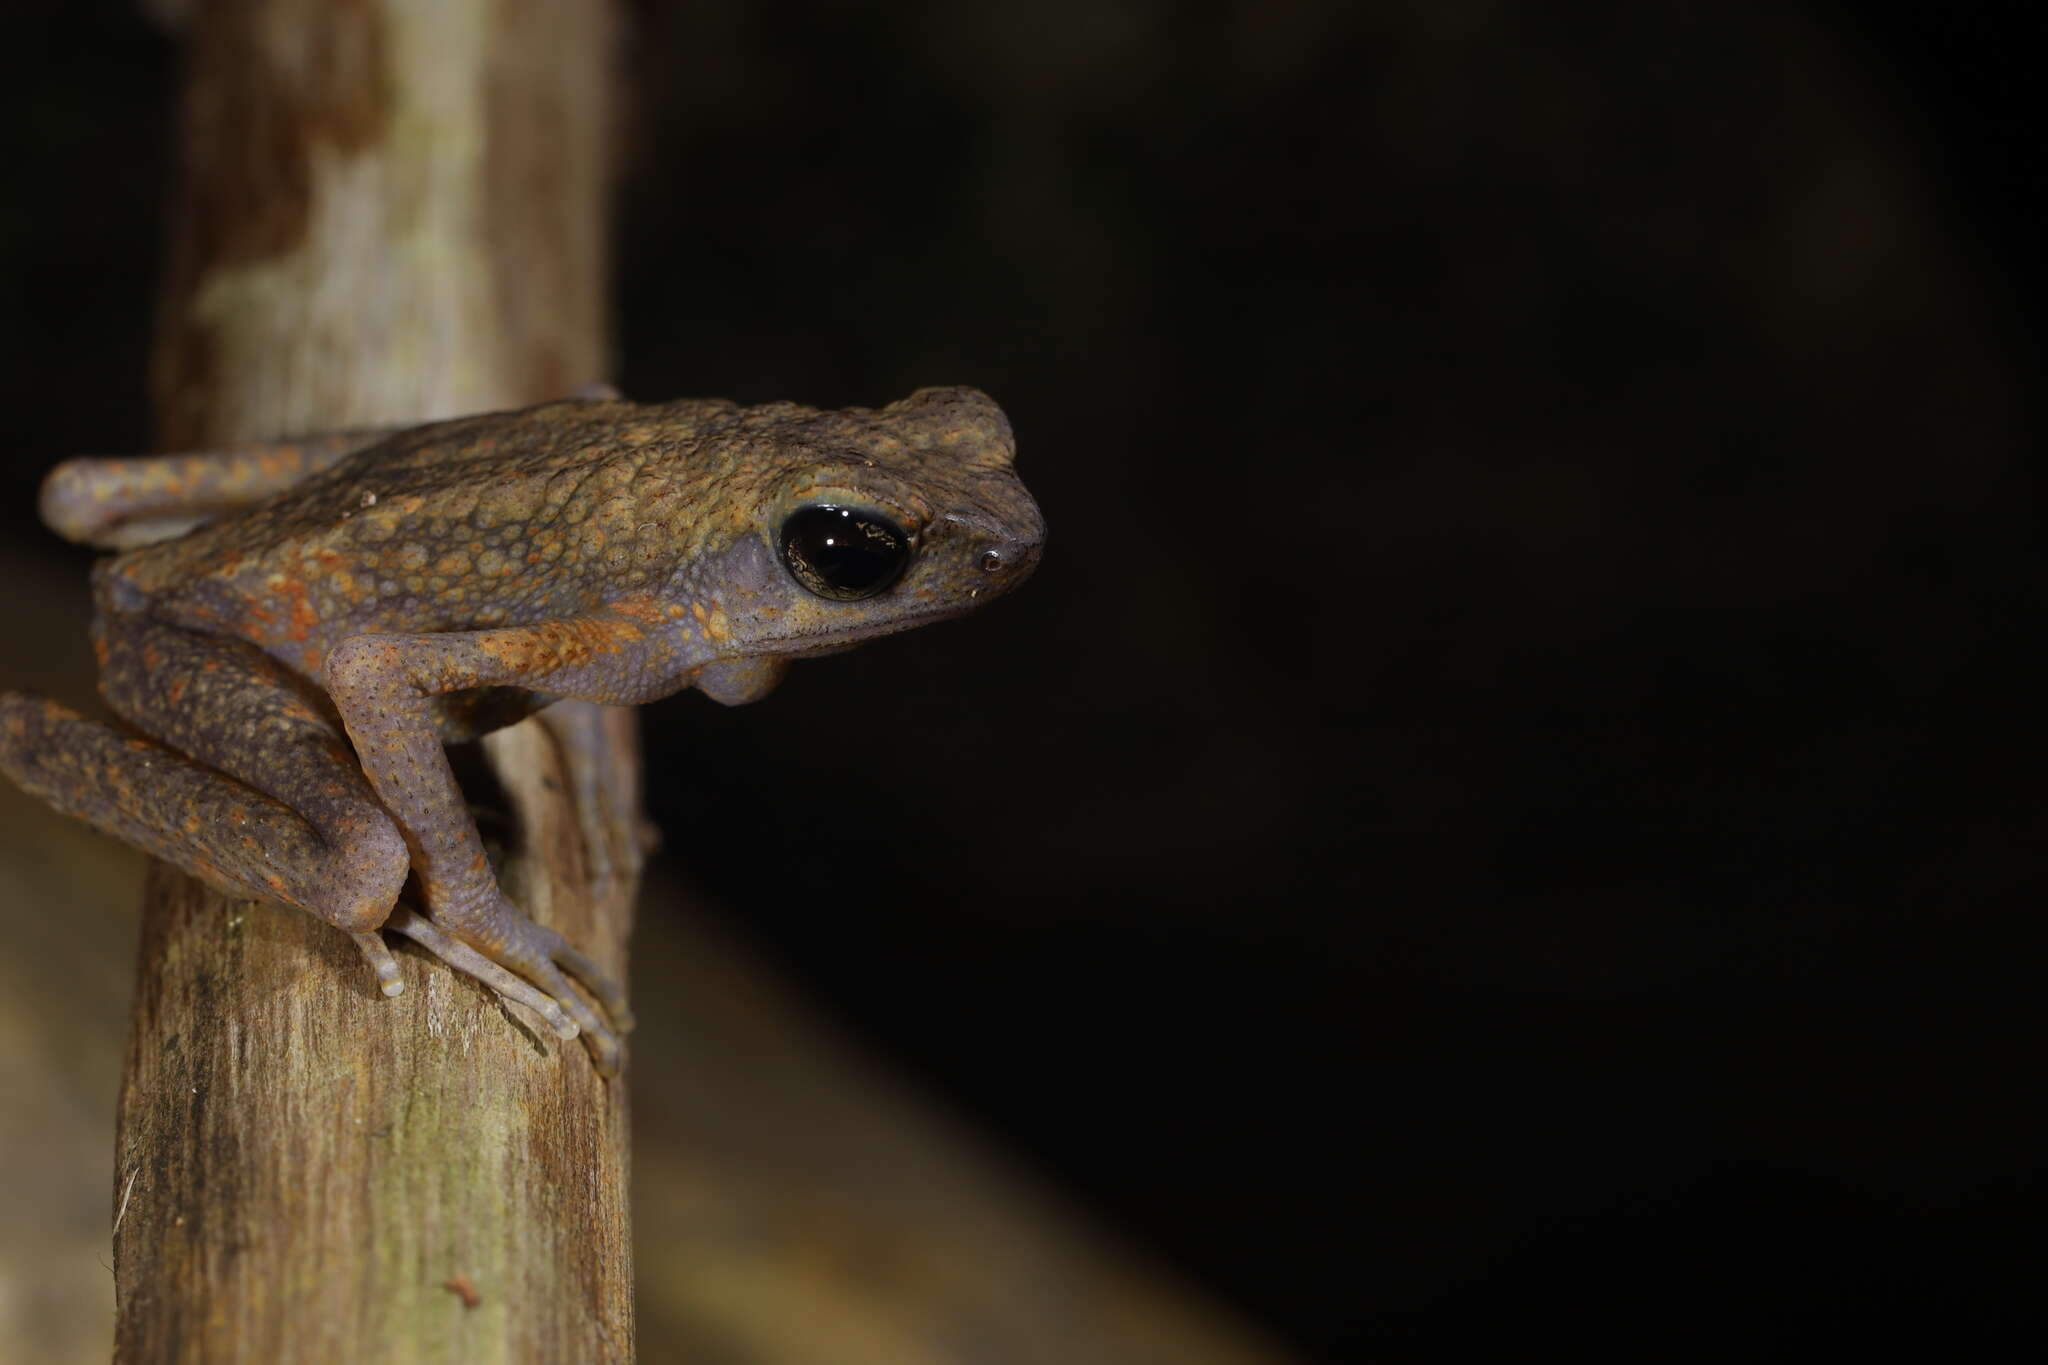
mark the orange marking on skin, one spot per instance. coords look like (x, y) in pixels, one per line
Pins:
(176, 692)
(508, 653)
(152, 657)
(303, 617)
(719, 626)
(697, 610)
(641, 608)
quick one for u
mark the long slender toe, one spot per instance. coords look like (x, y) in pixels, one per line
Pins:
(378, 954)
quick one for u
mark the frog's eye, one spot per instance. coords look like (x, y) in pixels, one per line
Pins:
(844, 553)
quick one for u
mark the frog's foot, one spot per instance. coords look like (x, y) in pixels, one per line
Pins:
(524, 964)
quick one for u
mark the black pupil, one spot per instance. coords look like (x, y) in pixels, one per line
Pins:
(843, 552)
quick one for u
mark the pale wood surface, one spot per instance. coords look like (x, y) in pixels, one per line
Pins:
(390, 211)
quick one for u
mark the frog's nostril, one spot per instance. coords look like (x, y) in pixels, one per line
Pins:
(1009, 556)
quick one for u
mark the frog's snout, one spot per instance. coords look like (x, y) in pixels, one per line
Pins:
(1002, 546)
(1010, 560)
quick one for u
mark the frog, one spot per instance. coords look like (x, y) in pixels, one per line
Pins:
(290, 632)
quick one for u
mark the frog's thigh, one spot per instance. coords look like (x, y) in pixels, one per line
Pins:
(285, 813)
(119, 503)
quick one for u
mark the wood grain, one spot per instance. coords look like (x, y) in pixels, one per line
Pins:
(389, 212)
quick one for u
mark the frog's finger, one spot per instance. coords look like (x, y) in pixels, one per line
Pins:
(597, 1035)
(534, 958)
(464, 958)
(378, 954)
(600, 983)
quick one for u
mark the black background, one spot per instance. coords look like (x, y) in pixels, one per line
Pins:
(1507, 819)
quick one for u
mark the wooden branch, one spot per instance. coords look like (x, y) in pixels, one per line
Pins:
(391, 211)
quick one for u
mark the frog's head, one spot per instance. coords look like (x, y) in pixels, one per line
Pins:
(881, 520)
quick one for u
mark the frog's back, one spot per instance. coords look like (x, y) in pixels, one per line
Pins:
(448, 526)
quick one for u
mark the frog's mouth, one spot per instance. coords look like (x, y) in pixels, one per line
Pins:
(812, 643)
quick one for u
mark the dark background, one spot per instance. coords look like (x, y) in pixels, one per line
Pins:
(1508, 814)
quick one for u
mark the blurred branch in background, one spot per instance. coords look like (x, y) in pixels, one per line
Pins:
(794, 1204)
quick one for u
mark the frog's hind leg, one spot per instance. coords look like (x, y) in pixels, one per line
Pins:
(118, 504)
(252, 787)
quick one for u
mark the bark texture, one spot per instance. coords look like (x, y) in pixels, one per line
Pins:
(389, 212)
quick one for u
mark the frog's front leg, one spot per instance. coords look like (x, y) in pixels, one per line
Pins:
(382, 684)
